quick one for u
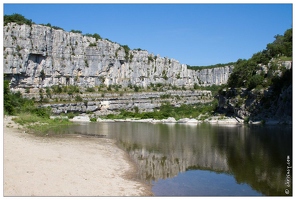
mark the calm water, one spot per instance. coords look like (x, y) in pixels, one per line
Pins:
(204, 159)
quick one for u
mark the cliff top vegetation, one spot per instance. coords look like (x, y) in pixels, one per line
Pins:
(245, 71)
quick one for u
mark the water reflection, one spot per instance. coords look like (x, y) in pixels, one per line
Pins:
(255, 155)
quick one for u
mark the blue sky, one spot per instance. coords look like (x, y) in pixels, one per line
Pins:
(194, 34)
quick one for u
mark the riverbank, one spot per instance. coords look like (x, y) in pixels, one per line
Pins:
(65, 166)
(212, 120)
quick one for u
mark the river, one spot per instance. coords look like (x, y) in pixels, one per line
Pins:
(204, 159)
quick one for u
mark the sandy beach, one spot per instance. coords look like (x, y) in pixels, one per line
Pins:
(65, 166)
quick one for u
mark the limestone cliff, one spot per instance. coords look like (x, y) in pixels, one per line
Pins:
(39, 56)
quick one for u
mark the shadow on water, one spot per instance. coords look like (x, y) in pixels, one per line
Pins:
(203, 159)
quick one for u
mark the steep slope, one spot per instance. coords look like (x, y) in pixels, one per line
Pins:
(38, 56)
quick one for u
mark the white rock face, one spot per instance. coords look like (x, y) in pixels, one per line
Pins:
(40, 56)
(80, 119)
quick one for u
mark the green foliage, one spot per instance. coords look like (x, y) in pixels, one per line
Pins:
(166, 110)
(40, 125)
(71, 88)
(43, 112)
(150, 59)
(17, 18)
(254, 81)
(57, 28)
(53, 27)
(209, 66)
(126, 48)
(57, 89)
(15, 104)
(136, 109)
(48, 25)
(93, 119)
(48, 92)
(71, 115)
(136, 88)
(244, 73)
(76, 31)
(281, 82)
(42, 74)
(131, 57)
(126, 51)
(139, 49)
(282, 45)
(244, 70)
(95, 35)
(92, 44)
(78, 98)
(165, 96)
(246, 120)
(90, 89)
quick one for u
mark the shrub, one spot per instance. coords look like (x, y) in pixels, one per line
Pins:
(90, 89)
(246, 120)
(255, 81)
(97, 36)
(78, 98)
(56, 89)
(43, 112)
(92, 44)
(136, 88)
(93, 119)
(71, 115)
(17, 18)
(76, 31)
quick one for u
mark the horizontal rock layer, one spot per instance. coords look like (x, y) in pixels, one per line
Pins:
(111, 103)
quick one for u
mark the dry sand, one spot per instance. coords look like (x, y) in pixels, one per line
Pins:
(66, 166)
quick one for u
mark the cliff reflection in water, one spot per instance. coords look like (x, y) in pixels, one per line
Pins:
(255, 155)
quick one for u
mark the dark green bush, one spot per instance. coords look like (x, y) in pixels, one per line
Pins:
(78, 98)
(255, 81)
(90, 89)
(76, 31)
(17, 18)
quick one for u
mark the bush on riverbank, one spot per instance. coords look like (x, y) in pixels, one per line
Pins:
(28, 114)
(167, 110)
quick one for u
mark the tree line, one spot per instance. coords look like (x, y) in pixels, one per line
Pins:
(245, 70)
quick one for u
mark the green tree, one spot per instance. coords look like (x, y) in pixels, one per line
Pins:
(17, 18)
(126, 51)
(97, 36)
(282, 45)
(76, 31)
(8, 106)
(254, 81)
(48, 92)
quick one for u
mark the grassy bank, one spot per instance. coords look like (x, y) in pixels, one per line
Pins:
(33, 118)
(40, 126)
(199, 110)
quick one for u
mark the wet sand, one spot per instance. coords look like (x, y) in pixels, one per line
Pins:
(65, 166)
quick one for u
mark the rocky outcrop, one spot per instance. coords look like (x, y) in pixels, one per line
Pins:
(39, 56)
(111, 103)
(269, 102)
(258, 105)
